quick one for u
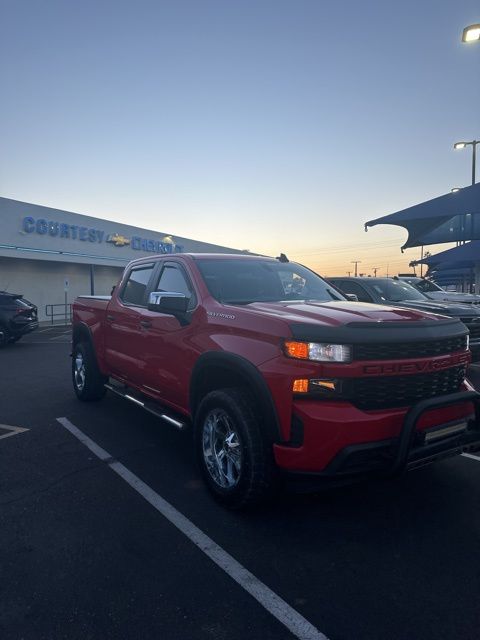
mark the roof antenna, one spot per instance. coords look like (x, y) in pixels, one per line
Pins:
(282, 258)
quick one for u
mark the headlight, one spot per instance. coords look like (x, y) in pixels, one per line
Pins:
(318, 351)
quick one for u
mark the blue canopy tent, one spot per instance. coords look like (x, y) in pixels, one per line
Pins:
(465, 255)
(454, 266)
(452, 217)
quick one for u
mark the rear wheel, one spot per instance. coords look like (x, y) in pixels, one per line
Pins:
(88, 382)
(4, 336)
(234, 456)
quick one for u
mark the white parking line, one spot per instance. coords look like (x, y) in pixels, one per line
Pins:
(283, 612)
(470, 455)
(12, 431)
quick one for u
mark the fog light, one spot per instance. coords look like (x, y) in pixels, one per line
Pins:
(300, 386)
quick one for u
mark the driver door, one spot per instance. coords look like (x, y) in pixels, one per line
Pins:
(167, 354)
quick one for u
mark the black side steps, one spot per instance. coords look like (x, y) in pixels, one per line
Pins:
(158, 411)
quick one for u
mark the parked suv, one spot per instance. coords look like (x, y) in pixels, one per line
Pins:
(17, 317)
(437, 294)
(398, 292)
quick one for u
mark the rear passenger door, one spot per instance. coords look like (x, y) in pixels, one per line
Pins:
(123, 324)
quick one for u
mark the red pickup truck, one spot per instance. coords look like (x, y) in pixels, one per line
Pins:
(276, 372)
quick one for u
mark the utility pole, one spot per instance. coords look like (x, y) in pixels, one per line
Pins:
(349, 273)
(356, 263)
(375, 269)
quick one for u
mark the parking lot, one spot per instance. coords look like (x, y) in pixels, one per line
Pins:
(108, 532)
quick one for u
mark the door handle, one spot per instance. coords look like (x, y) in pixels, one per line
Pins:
(146, 324)
(110, 318)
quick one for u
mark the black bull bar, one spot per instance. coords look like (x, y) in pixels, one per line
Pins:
(411, 454)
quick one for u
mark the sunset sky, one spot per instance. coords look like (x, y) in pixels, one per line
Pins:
(275, 126)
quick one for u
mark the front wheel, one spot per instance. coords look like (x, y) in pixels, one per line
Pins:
(88, 382)
(233, 454)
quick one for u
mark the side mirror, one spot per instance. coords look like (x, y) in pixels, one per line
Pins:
(351, 296)
(168, 302)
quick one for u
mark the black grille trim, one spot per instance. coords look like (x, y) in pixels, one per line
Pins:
(405, 350)
(473, 327)
(398, 391)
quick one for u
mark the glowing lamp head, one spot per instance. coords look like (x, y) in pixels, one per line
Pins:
(471, 33)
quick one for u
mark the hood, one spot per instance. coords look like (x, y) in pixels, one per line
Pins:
(337, 313)
(453, 296)
(441, 307)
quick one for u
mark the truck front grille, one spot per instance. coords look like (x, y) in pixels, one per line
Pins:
(398, 391)
(405, 350)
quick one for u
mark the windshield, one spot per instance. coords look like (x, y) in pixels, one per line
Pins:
(244, 281)
(425, 286)
(396, 290)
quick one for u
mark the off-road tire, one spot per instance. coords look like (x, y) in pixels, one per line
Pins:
(257, 476)
(89, 385)
(4, 337)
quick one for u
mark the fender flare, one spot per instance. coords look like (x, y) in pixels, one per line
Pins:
(81, 332)
(242, 367)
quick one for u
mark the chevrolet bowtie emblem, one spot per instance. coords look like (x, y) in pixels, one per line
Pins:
(117, 240)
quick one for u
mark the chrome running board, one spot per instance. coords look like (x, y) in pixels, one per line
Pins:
(159, 412)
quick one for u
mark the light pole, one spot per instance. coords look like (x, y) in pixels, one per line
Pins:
(473, 144)
(471, 33)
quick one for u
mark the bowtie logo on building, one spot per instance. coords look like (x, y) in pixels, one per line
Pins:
(117, 240)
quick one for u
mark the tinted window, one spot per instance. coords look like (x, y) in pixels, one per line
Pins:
(244, 281)
(395, 290)
(349, 286)
(14, 301)
(173, 279)
(136, 286)
(425, 286)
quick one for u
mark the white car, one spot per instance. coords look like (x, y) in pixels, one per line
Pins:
(434, 292)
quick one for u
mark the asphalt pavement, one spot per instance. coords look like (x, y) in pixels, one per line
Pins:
(86, 554)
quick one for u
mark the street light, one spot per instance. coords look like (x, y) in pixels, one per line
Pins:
(471, 33)
(473, 144)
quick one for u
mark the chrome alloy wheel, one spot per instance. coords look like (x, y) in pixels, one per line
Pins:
(221, 449)
(79, 371)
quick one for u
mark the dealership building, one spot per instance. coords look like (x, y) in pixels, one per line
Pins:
(51, 256)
